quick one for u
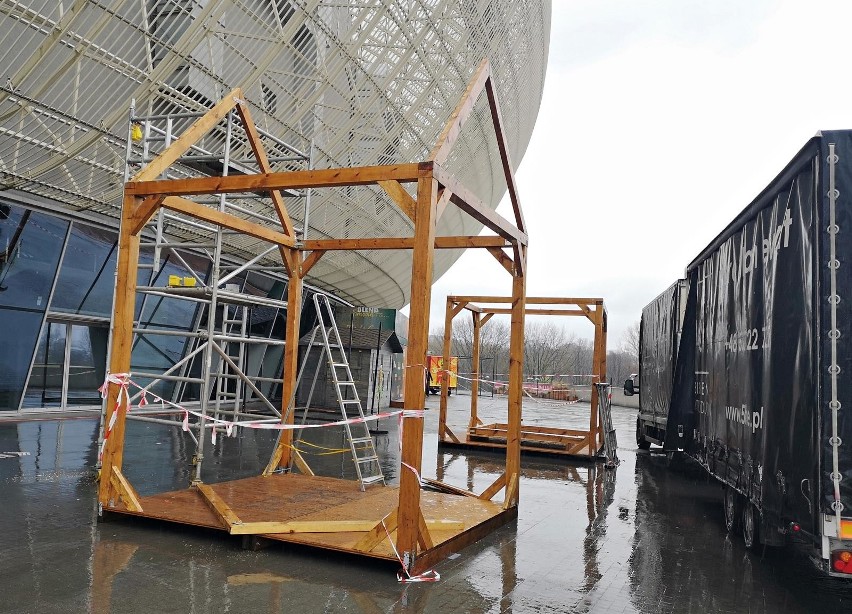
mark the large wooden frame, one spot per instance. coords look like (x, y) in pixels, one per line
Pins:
(144, 194)
(534, 439)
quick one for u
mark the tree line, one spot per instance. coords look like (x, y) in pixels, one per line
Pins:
(549, 349)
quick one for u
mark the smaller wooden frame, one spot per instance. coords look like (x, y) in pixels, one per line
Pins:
(534, 439)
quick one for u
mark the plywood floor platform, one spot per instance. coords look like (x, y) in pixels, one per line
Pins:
(298, 498)
(535, 441)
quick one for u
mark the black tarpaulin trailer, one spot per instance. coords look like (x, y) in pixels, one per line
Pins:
(760, 372)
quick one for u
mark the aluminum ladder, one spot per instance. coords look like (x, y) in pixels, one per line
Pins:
(360, 442)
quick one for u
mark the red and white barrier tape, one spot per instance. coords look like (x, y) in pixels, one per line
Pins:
(123, 381)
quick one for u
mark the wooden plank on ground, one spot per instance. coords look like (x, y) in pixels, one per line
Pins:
(448, 488)
(222, 510)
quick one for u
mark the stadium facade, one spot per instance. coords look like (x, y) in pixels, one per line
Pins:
(352, 83)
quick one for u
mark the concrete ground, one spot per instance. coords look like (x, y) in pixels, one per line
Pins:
(647, 537)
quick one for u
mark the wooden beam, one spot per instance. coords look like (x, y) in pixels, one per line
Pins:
(506, 262)
(465, 242)
(508, 169)
(378, 533)
(189, 138)
(457, 309)
(400, 196)
(474, 362)
(301, 463)
(452, 129)
(122, 342)
(330, 526)
(532, 300)
(424, 539)
(125, 491)
(444, 196)
(516, 378)
(468, 202)
(449, 431)
(143, 211)
(381, 243)
(293, 180)
(263, 164)
(511, 492)
(485, 318)
(446, 352)
(226, 220)
(539, 312)
(359, 244)
(282, 455)
(495, 487)
(218, 506)
(311, 260)
(448, 488)
(418, 344)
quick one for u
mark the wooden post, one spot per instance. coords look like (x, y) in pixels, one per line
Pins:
(122, 343)
(283, 453)
(474, 384)
(598, 375)
(516, 373)
(415, 376)
(445, 379)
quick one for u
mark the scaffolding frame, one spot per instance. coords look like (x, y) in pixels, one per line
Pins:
(558, 441)
(145, 195)
(227, 386)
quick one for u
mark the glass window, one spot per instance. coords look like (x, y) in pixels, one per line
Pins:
(30, 246)
(87, 275)
(45, 386)
(18, 336)
(87, 364)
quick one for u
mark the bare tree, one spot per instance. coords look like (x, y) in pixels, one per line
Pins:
(544, 348)
(630, 340)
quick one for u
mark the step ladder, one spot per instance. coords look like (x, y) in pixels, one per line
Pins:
(228, 387)
(363, 450)
(605, 418)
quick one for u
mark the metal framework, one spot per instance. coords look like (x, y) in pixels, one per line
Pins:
(538, 439)
(368, 82)
(224, 347)
(436, 188)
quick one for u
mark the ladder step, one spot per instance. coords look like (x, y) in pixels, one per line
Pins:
(372, 479)
(361, 440)
(351, 401)
(340, 364)
(368, 459)
(346, 384)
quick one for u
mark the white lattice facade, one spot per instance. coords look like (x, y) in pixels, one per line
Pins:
(365, 81)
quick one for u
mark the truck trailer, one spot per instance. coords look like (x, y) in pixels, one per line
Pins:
(746, 363)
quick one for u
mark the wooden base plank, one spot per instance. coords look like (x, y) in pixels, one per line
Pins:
(322, 512)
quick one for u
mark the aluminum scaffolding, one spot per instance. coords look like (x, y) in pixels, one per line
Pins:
(230, 371)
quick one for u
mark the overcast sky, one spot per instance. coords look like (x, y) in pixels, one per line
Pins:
(660, 121)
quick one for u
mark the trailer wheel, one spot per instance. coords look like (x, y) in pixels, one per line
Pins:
(641, 442)
(731, 502)
(750, 524)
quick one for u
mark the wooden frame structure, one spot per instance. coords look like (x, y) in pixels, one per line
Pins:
(534, 439)
(270, 504)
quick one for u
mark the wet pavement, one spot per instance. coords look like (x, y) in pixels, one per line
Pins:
(647, 537)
